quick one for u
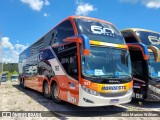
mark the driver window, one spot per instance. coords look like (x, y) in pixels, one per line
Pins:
(63, 31)
(70, 64)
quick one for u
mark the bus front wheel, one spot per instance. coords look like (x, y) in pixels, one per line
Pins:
(55, 93)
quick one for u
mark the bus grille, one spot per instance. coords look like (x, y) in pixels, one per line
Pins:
(112, 94)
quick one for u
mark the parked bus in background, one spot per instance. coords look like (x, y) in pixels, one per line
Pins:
(144, 48)
(4, 78)
(82, 60)
(14, 77)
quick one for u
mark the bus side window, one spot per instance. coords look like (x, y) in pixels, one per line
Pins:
(47, 54)
(31, 70)
(73, 67)
(70, 64)
(53, 37)
(64, 30)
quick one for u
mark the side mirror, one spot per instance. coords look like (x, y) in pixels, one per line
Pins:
(156, 52)
(81, 39)
(141, 47)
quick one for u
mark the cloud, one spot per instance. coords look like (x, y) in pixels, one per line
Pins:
(46, 2)
(20, 47)
(84, 9)
(153, 4)
(148, 3)
(11, 51)
(36, 4)
(46, 14)
(6, 43)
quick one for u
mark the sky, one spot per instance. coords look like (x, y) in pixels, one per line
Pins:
(22, 22)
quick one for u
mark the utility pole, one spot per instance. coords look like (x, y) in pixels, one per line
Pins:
(1, 59)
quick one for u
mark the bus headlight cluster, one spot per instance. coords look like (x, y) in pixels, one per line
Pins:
(130, 91)
(92, 92)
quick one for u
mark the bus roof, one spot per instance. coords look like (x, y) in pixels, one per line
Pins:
(69, 18)
(89, 18)
(138, 29)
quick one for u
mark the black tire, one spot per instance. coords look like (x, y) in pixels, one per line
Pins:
(55, 93)
(23, 83)
(149, 97)
(20, 82)
(46, 92)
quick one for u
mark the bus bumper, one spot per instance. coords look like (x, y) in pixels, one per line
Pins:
(89, 100)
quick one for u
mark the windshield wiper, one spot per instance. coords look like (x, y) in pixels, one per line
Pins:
(126, 76)
(106, 76)
(91, 76)
(100, 76)
(156, 77)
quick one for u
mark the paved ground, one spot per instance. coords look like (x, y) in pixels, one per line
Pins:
(14, 98)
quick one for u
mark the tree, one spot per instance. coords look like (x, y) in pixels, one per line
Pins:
(14, 72)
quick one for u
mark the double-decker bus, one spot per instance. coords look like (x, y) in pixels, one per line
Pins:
(82, 60)
(144, 50)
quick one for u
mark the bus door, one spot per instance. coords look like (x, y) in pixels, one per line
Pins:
(69, 60)
(139, 70)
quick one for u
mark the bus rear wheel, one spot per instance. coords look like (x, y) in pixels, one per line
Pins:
(20, 82)
(46, 90)
(55, 93)
(23, 83)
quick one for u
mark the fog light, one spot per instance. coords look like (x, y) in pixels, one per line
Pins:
(86, 100)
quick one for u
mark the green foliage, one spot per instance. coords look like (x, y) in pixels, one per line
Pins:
(15, 72)
(10, 69)
(5, 72)
(9, 76)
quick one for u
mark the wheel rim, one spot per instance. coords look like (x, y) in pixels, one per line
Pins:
(46, 90)
(56, 93)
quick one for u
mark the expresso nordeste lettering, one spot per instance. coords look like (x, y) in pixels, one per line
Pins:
(113, 87)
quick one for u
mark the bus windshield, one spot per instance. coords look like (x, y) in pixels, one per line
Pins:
(14, 77)
(149, 38)
(104, 62)
(99, 31)
(154, 66)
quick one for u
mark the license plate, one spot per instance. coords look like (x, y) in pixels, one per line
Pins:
(114, 101)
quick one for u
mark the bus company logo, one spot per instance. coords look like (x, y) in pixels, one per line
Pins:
(101, 30)
(155, 40)
(113, 87)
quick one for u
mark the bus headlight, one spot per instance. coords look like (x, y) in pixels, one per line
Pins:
(92, 92)
(130, 91)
